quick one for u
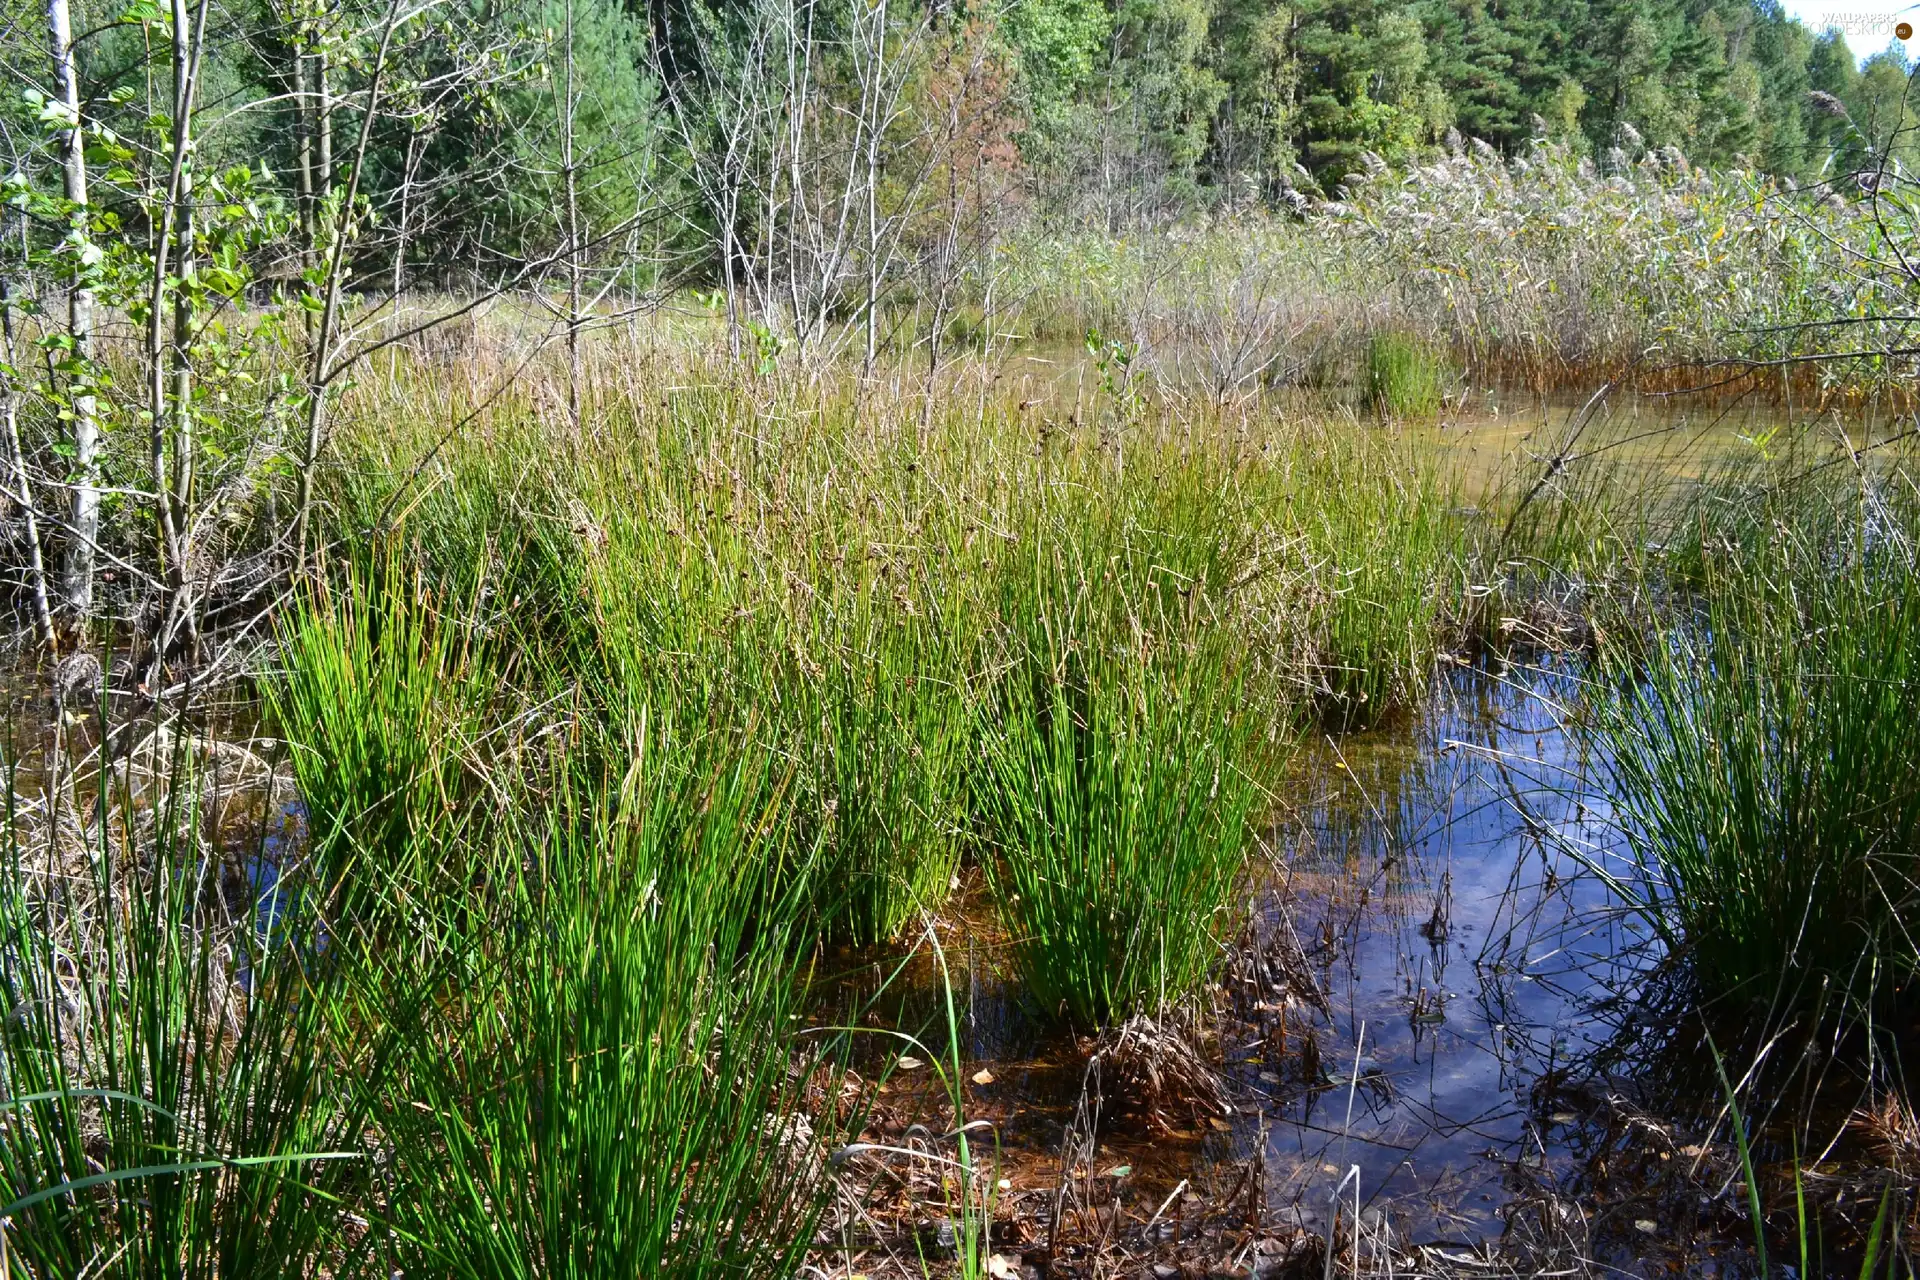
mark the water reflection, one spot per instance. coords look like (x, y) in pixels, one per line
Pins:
(1429, 965)
(1463, 955)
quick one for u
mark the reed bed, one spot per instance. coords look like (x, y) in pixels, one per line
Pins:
(601, 737)
(1760, 746)
(1548, 270)
(1073, 652)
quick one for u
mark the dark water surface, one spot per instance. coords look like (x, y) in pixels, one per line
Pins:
(1449, 959)
(1463, 952)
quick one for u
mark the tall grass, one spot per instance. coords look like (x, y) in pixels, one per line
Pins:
(1763, 760)
(1138, 648)
(1551, 270)
(523, 1004)
(845, 576)
(592, 1071)
(845, 666)
(179, 1101)
(1387, 570)
(380, 705)
(608, 1089)
(881, 735)
(1120, 815)
(1403, 377)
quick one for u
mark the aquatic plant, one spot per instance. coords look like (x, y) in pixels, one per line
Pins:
(1387, 559)
(554, 1008)
(1403, 378)
(1761, 757)
(1118, 810)
(791, 558)
(180, 1103)
(378, 700)
(880, 737)
(1540, 270)
(609, 1085)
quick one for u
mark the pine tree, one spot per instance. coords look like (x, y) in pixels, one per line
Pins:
(1365, 86)
(1501, 65)
(1253, 131)
(1782, 51)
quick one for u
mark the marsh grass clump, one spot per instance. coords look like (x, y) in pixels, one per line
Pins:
(1119, 815)
(1386, 563)
(825, 636)
(522, 1005)
(1404, 377)
(179, 1103)
(1763, 762)
(610, 1085)
(881, 742)
(380, 701)
(1136, 702)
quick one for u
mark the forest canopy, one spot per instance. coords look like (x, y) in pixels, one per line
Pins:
(1109, 111)
(1229, 94)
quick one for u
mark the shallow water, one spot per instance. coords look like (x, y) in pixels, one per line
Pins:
(1460, 977)
(1449, 960)
(1462, 952)
(1505, 435)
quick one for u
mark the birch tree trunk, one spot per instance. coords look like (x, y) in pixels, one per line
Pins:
(85, 514)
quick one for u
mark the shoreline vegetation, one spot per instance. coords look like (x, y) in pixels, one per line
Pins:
(610, 731)
(721, 642)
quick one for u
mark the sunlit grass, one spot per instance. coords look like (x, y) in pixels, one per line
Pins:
(1762, 755)
(605, 1085)
(1120, 817)
(598, 740)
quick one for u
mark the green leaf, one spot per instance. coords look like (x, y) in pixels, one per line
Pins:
(161, 1170)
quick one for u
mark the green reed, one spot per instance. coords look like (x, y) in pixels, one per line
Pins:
(612, 1085)
(1386, 576)
(1762, 759)
(880, 734)
(1403, 377)
(1120, 817)
(179, 1098)
(1118, 770)
(380, 704)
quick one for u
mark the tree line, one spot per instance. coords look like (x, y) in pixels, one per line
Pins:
(217, 212)
(496, 109)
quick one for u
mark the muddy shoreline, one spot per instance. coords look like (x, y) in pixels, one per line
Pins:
(1440, 1043)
